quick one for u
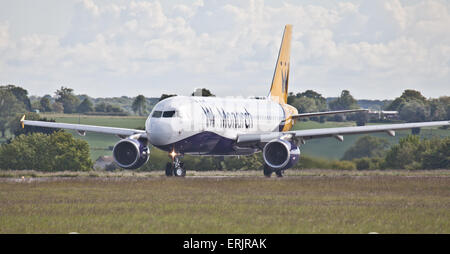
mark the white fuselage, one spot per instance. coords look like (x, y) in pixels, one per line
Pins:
(210, 125)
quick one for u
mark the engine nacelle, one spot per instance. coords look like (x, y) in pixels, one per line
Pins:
(280, 154)
(131, 153)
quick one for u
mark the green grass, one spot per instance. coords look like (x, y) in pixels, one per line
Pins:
(317, 202)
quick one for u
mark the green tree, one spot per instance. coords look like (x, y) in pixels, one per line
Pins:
(165, 96)
(70, 153)
(85, 106)
(139, 105)
(407, 96)
(101, 107)
(396, 104)
(445, 100)
(9, 107)
(20, 94)
(308, 101)
(367, 146)
(413, 95)
(438, 108)
(361, 118)
(320, 101)
(345, 101)
(305, 105)
(57, 107)
(36, 105)
(413, 153)
(414, 111)
(404, 154)
(438, 154)
(205, 93)
(66, 97)
(113, 108)
(45, 104)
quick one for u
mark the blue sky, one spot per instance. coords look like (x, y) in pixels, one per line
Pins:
(375, 49)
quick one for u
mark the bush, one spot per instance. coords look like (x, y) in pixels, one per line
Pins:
(438, 156)
(362, 163)
(369, 163)
(307, 162)
(345, 165)
(413, 153)
(37, 151)
(366, 146)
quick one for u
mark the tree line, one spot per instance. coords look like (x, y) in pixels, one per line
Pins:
(65, 101)
(414, 107)
(14, 100)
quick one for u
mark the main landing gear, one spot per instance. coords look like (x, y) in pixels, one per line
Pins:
(176, 167)
(268, 171)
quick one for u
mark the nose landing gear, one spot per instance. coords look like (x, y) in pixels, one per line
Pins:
(176, 168)
(268, 171)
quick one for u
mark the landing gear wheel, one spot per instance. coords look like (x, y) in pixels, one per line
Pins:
(279, 173)
(267, 171)
(180, 171)
(176, 168)
(169, 171)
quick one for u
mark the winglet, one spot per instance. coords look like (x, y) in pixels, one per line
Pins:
(21, 121)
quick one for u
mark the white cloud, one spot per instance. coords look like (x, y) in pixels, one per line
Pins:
(4, 35)
(91, 7)
(115, 48)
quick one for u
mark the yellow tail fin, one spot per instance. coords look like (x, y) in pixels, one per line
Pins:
(279, 89)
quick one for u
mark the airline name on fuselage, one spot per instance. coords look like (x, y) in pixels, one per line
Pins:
(221, 119)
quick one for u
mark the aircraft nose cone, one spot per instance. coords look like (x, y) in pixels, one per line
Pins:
(160, 132)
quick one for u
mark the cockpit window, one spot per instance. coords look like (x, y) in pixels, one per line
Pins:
(157, 114)
(169, 113)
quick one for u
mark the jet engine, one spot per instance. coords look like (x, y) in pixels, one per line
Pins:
(280, 154)
(131, 153)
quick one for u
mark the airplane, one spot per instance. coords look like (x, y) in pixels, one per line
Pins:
(212, 126)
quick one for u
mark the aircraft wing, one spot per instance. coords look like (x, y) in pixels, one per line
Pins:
(327, 113)
(82, 129)
(301, 135)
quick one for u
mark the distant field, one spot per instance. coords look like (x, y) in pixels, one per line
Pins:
(308, 201)
(328, 148)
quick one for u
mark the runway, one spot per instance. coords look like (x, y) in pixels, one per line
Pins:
(29, 176)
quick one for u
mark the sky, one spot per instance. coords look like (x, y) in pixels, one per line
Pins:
(375, 49)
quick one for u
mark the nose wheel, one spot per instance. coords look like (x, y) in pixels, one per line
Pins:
(176, 168)
(268, 171)
(179, 171)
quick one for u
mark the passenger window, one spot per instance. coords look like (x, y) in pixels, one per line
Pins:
(169, 113)
(157, 114)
